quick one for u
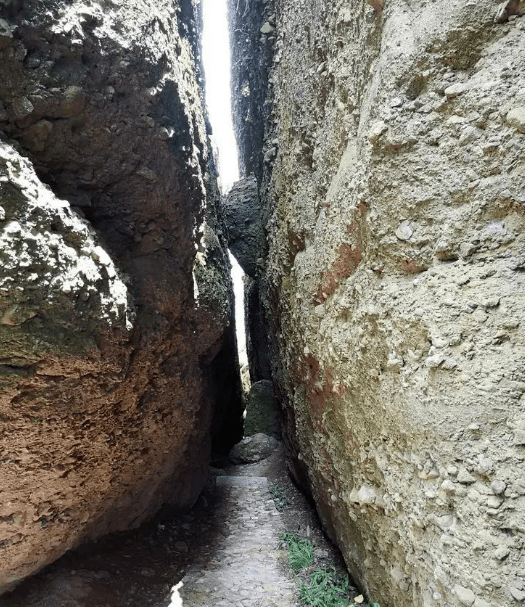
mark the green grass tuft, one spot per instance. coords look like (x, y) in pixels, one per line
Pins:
(300, 552)
(325, 589)
(280, 498)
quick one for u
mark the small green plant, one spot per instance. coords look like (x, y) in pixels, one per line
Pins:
(300, 551)
(325, 589)
(280, 498)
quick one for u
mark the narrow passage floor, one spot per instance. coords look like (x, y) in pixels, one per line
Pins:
(246, 567)
(226, 551)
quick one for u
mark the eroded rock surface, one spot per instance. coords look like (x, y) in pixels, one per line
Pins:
(244, 229)
(244, 220)
(262, 410)
(113, 331)
(394, 287)
(252, 36)
(257, 343)
(253, 449)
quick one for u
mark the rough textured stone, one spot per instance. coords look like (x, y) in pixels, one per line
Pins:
(262, 410)
(257, 345)
(244, 226)
(243, 222)
(516, 118)
(112, 331)
(398, 351)
(251, 54)
(253, 449)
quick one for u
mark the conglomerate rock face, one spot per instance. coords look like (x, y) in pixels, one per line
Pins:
(115, 336)
(395, 290)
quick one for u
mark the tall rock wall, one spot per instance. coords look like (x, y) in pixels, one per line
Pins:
(394, 287)
(252, 42)
(252, 37)
(116, 344)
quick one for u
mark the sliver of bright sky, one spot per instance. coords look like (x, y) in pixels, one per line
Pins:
(238, 287)
(216, 60)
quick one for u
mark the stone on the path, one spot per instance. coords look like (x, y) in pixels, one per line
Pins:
(253, 449)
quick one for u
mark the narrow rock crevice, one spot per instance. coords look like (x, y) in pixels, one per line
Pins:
(379, 220)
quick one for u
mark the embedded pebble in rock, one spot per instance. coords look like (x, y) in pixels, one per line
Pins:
(456, 89)
(404, 232)
(516, 118)
(465, 595)
(494, 501)
(517, 594)
(465, 477)
(498, 487)
(501, 553)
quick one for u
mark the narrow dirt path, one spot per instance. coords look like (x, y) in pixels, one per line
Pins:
(226, 551)
(245, 567)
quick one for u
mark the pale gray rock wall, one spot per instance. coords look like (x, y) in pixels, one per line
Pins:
(394, 286)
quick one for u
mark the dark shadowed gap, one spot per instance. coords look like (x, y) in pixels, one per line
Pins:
(216, 62)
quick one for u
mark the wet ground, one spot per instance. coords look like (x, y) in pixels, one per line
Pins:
(226, 551)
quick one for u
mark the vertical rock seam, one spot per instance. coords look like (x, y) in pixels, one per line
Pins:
(393, 285)
(252, 41)
(116, 305)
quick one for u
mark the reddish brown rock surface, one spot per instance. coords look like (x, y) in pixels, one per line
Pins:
(112, 335)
